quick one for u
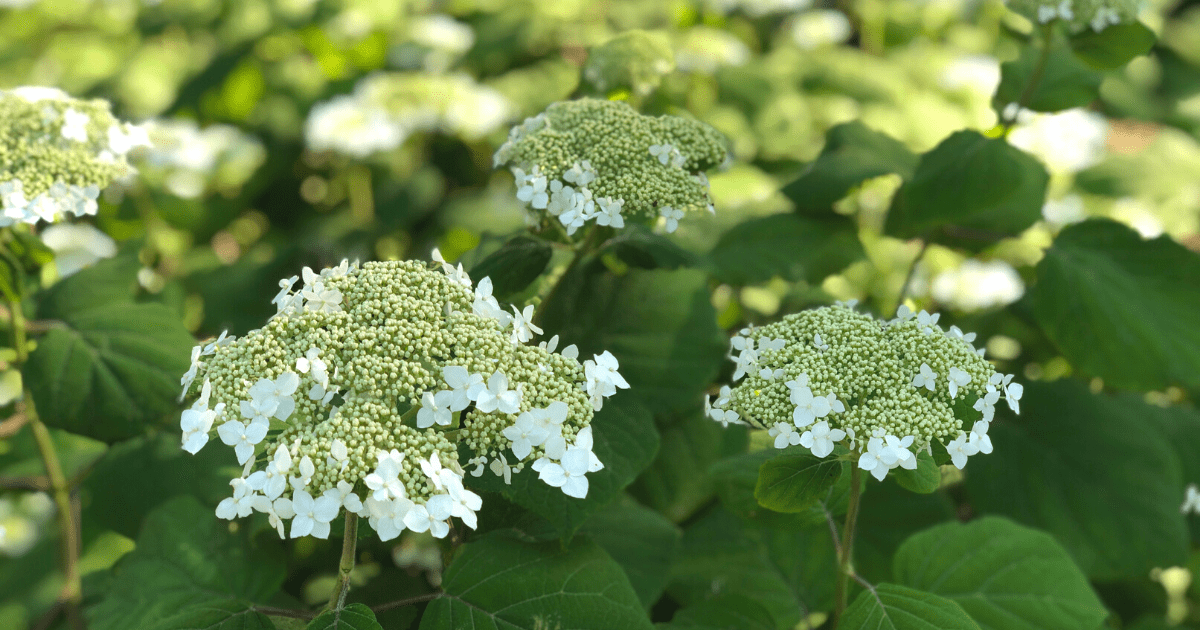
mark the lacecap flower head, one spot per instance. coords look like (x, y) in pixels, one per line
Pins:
(596, 160)
(1079, 15)
(634, 60)
(57, 153)
(358, 393)
(884, 389)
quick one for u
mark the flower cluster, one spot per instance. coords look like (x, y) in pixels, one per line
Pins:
(57, 153)
(358, 393)
(190, 161)
(1078, 14)
(385, 109)
(635, 61)
(886, 388)
(595, 160)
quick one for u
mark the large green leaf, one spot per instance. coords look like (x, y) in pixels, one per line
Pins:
(110, 370)
(624, 439)
(795, 482)
(76, 454)
(514, 266)
(638, 247)
(659, 324)
(853, 153)
(641, 540)
(1120, 307)
(188, 572)
(109, 281)
(1114, 46)
(1066, 82)
(969, 190)
(1181, 427)
(1092, 471)
(894, 607)
(502, 583)
(889, 514)
(729, 612)
(737, 478)
(352, 617)
(1007, 577)
(925, 478)
(791, 246)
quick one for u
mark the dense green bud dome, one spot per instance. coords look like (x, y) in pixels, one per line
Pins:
(600, 160)
(1096, 15)
(57, 153)
(884, 387)
(635, 61)
(362, 387)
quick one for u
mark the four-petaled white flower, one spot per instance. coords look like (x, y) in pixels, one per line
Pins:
(497, 396)
(926, 378)
(927, 322)
(240, 504)
(523, 326)
(897, 454)
(533, 189)
(284, 300)
(273, 395)
(74, 125)
(485, 304)
(570, 473)
(610, 212)
(784, 434)
(344, 495)
(277, 510)
(872, 460)
(820, 438)
(435, 409)
(313, 515)
(464, 503)
(671, 217)
(431, 516)
(725, 416)
(958, 378)
(580, 174)
(662, 152)
(1191, 501)
(312, 365)
(464, 387)
(384, 483)
(603, 379)
(190, 375)
(979, 437)
(770, 375)
(987, 404)
(1012, 395)
(956, 333)
(819, 344)
(903, 313)
(526, 433)
(319, 299)
(562, 198)
(274, 479)
(808, 406)
(582, 210)
(197, 421)
(243, 437)
(960, 449)
(307, 470)
(500, 468)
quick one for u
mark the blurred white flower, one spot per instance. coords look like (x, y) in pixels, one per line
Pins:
(820, 28)
(978, 285)
(1067, 142)
(980, 74)
(77, 245)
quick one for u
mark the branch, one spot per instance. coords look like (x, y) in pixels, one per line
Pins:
(406, 602)
(284, 612)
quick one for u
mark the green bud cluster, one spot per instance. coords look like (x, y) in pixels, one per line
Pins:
(634, 60)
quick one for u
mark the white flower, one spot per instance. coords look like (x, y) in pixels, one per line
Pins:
(464, 503)
(723, 397)
(197, 421)
(746, 361)
(1191, 502)
(523, 326)
(240, 505)
(313, 515)
(897, 454)
(431, 516)
(725, 416)
(526, 433)
(808, 407)
(987, 404)
(583, 441)
(582, 209)
(277, 510)
(903, 313)
(190, 375)
(284, 300)
(243, 437)
(307, 470)
(435, 409)
(819, 344)
(603, 379)
(432, 468)
(835, 405)
(662, 152)
(344, 495)
(465, 387)
(960, 449)
(956, 333)
(501, 468)
(979, 437)
(387, 516)
(532, 189)
(872, 460)
(318, 299)
(273, 481)
(1012, 395)
(927, 322)
(784, 435)
(311, 362)
(384, 482)
(610, 212)
(273, 397)
(570, 474)
(122, 141)
(580, 174)
(671, 217)
(497, 396)
(74, 125)
(958, 378)
(820, 438)
(926, 378)
(770, 375)
(485, 304)
(562, 198)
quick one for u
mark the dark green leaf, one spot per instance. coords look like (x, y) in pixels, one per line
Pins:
(970, 191)
(1054, 469)
(109, 281)
(1113, 47)
(1181, 426)
(791, 246)
(638, 247)
(888, 515)
(10, 280)
(624, 438)
(660, 325)
(641, 541)
(728, 612)
(1066, 82)
(499, 582)
(188, 572)
(853, 153)
(75, 454)
(352, 617)
(796, 482)
(512, 267)
(30, 250)
(925, 478)
(894, 607)
(1120, 307)
(110, 369)
(1007, 577)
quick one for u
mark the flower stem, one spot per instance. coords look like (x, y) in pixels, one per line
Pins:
(584, 247)
(845, 560)
(337, 600)
(912, 269)
(1039, 70)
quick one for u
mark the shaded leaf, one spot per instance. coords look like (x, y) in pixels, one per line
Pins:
(1066, 82)
(352, 617)
(795, 482)
(853, 153)
(791, 246)
(729, 612)
(514, 266)
(925, 478)
(638, 247)
(75, 454)
(894, 607)
(641, 540)
(1114, 46)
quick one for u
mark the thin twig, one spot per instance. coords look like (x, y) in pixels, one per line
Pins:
(845, 560)
(1034, 79)
(406, 602)
(337, 599)
(284, 612)
(28, 482)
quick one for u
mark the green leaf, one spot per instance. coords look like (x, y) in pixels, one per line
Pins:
(109, 281)
(1120, 307)
(1113, 47)
(888, 515)
(641, 541)
(514, 266)
(894, 607)
(1007, 577)
(10, 283)
(796, 482)
(727, 612)
(352, 617)
(925, 478)
(970, 191)
(499, 582)
(1181, 427)
(624, 439)
(638, 247)
(76, 454)
(853, 153)
(188, 572)
(30, 250)
(737, 478)
(660, 325)
(789, 245)
(1057, 468)
(1066, 82)
(110, 370)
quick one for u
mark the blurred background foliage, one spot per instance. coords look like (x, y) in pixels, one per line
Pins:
(248, 182)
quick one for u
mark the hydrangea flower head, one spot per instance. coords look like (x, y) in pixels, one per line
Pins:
(57, 153)
(634, 60)
(1079, 15)
(884, 389)
(595, 160)
(359, 392)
